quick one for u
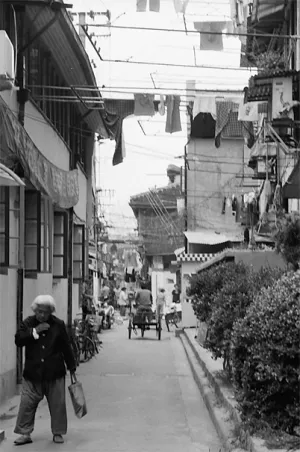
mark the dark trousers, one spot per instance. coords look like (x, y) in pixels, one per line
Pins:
(32, 394)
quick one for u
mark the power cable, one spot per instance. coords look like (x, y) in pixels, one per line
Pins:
(155, 63)
(216, 33)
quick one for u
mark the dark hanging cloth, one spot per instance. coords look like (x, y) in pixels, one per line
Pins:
(246, 235)
(224, 206)
(116, 110)
(203, 126)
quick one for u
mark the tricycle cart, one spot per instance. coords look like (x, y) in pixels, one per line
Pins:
(141, 321)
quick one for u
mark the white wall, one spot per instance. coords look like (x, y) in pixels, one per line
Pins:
(162, 278)
(60, 295)
(46, 138)
(81, 207)
(211, 178)
(41, 132)
(8, 325)
(42, 285)
(75, 300)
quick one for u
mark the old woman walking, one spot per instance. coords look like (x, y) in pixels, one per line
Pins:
(47, 353)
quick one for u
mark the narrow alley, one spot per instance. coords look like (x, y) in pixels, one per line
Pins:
(141, 397)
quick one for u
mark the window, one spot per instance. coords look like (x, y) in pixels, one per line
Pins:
(38, 232)
(78, 253)
(9, 226)
(60, 253)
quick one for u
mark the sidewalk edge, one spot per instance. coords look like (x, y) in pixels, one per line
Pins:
(208, 397)
(245, 437)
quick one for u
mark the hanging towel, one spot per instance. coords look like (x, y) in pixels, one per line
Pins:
(203, 126)
(180, 6)
(154, 5)
(227, 123)
(141, 6)
(204, 104)
(173, 123)
(161, 106)
(144, 105)
(248, 111)
(211, 41)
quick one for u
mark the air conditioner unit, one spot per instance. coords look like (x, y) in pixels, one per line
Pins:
(7, 65)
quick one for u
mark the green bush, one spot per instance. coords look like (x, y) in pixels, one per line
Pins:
(265, 355)
(230, 303)
(287, 239)
(206, 284)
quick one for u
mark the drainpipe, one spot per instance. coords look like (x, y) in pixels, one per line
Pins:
(22, 98)
(185, 197)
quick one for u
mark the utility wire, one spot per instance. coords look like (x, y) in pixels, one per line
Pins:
(154, 63)
(220, 33)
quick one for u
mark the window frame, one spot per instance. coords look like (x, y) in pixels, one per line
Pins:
(82, 261)
(44, 266)
(64, 236)
(7, 237)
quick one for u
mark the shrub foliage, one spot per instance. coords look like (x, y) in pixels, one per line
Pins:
(288, 239)
(265, 355)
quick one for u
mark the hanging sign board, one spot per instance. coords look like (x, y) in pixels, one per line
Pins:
(282, 97)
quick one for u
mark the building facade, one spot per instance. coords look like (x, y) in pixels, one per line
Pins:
(47, 128)
(161, 221)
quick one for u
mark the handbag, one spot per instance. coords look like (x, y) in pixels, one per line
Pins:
(77, 397)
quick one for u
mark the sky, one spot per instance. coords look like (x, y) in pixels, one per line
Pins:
(149, 153)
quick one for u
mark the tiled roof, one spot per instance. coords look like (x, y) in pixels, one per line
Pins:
(167, 195)
(260, 86)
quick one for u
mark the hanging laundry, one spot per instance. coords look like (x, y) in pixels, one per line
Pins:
(180, 6)
(144, 105)
(211, 41)
(224, 206)
(203, 126)
(227, 124)
(246, 236)
(154, 5)
(204, 105)
(228, 202)
(161, 106)
(234, 205)
(248, 111)
(141, 6)
(173, 123)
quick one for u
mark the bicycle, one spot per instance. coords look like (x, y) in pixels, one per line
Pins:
(83, 345)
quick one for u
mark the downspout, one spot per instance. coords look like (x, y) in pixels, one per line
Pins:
(185, 197)
(20, 272)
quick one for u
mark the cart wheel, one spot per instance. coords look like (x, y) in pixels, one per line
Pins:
(129, 329)
(159, 330)
(142, 331)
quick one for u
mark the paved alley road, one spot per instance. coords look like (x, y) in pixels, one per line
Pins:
(141, 397)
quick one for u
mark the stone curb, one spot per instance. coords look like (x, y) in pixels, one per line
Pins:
(207, 394)
(7, 408)
(2, 436)
(244, 436)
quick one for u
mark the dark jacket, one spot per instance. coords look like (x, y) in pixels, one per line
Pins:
(45, 357)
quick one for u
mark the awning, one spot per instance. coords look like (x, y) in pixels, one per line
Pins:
(60, 185)
(67, 50)
(206, 237)
(8, 178)
(262, 10)
(291, 189)
(263, 150)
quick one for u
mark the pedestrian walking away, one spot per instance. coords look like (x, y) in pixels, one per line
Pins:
(47, 353)
(160, 302)
(122, 302)
(176, 294)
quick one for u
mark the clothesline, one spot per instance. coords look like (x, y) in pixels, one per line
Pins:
(220, 33)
